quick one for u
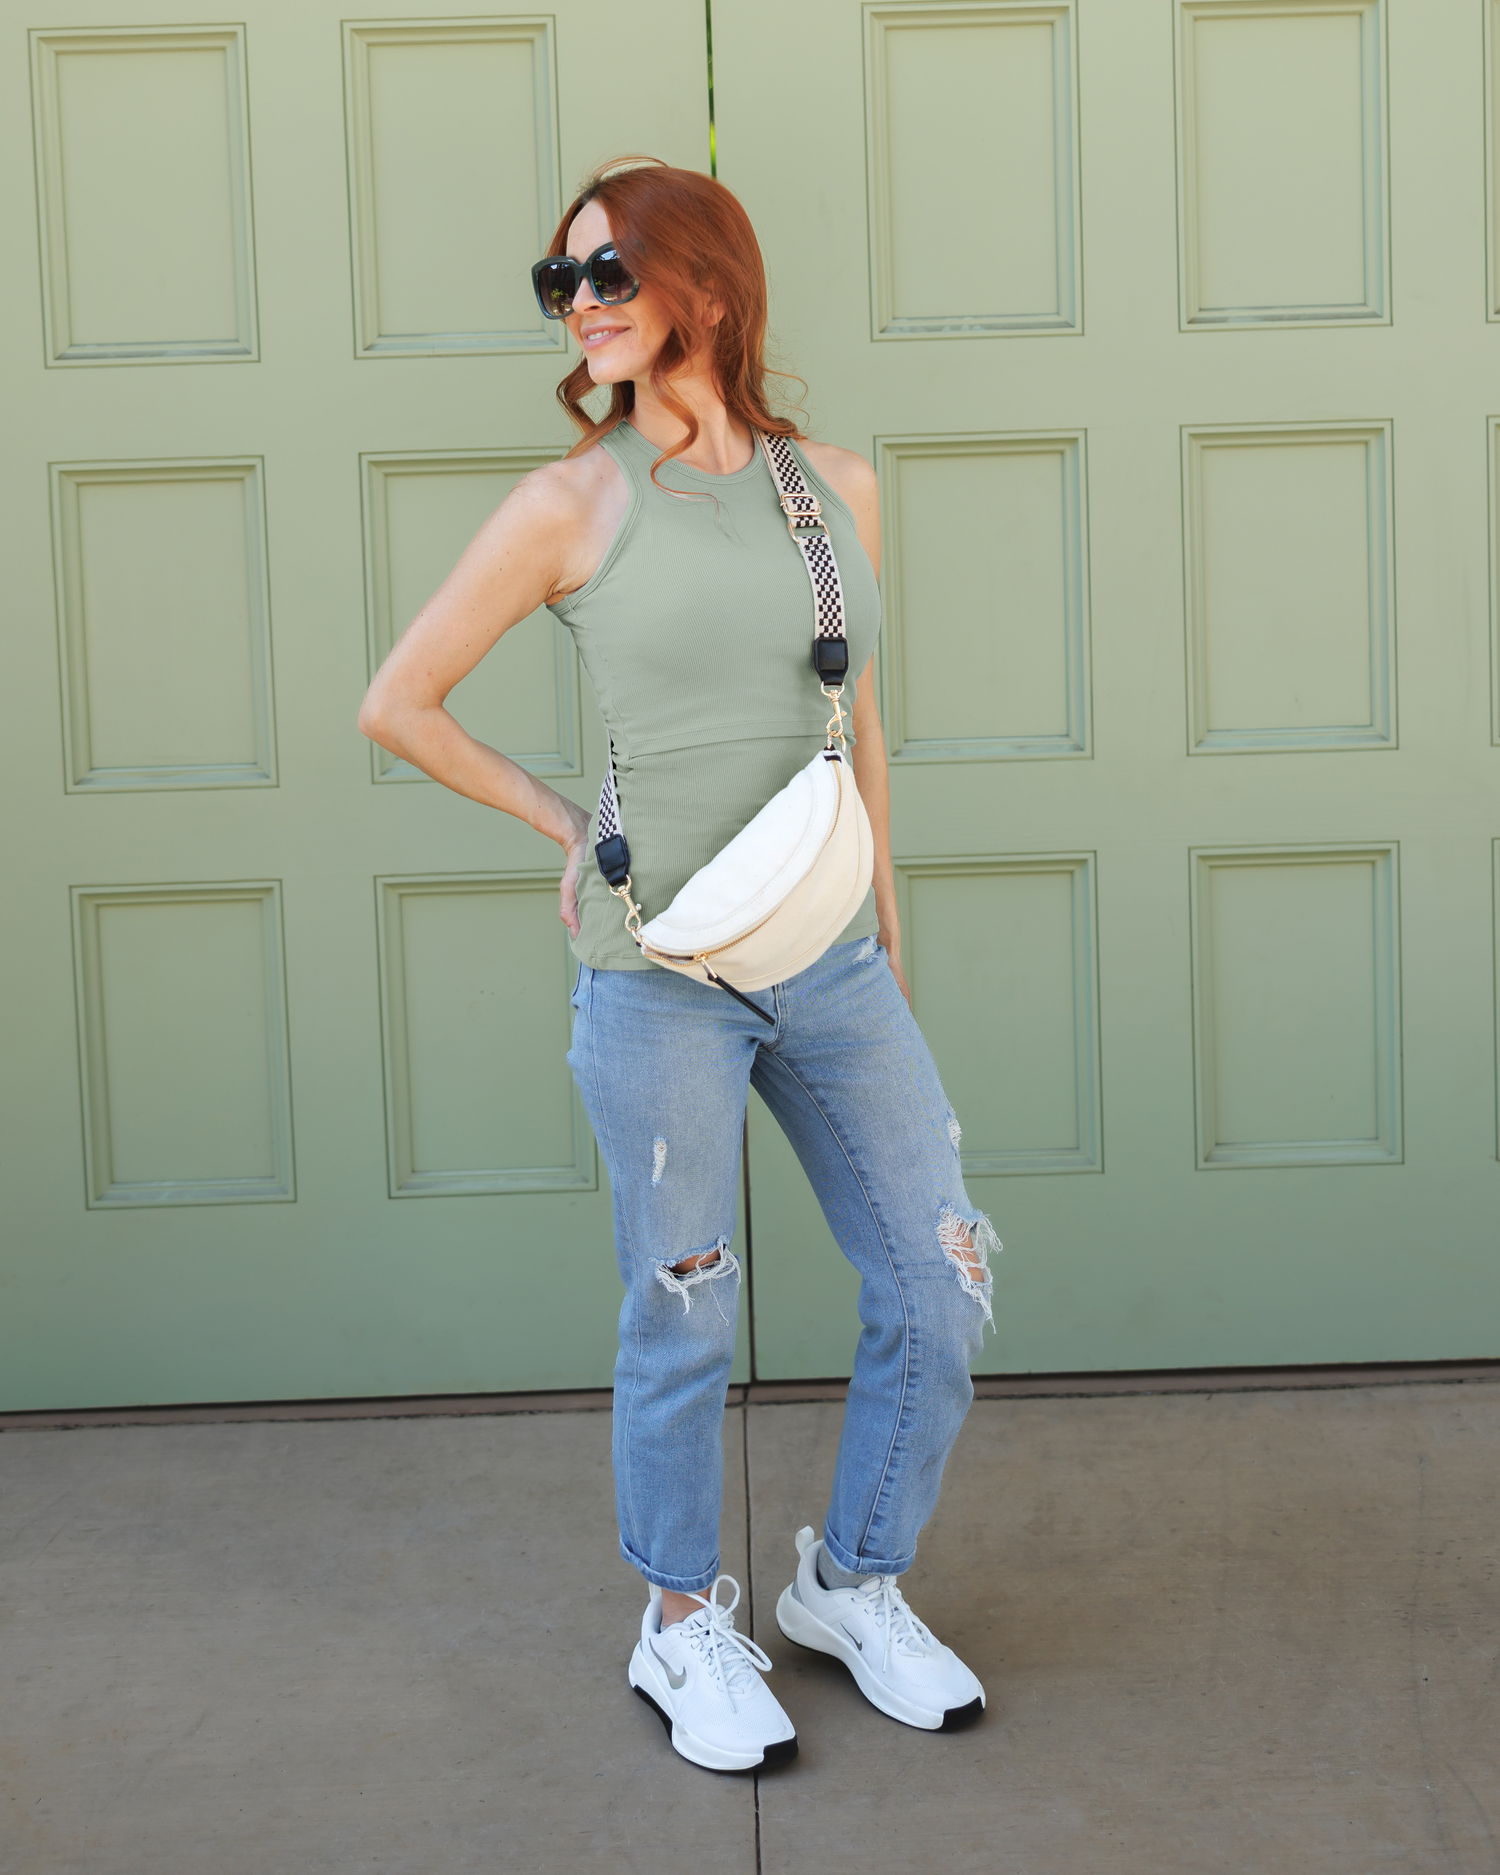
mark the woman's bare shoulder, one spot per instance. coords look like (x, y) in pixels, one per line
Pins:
(571, 491)
(559, 519)
(845, 471)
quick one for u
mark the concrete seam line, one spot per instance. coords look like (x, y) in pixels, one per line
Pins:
(769, 1393)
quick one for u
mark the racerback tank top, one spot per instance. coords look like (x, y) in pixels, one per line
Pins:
(696, 632)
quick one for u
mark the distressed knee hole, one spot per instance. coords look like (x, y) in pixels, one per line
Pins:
(955, 1131)
(968, 1245)
(658, 1160)
(715, 1265)
(704, 1260)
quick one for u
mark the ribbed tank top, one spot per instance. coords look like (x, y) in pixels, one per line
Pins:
(696, 632)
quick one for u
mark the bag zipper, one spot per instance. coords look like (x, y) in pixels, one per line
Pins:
(739, 997)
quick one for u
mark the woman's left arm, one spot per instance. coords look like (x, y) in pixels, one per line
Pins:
(852, 478)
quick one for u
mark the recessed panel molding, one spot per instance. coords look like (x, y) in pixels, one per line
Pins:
(1282, 185)
(475, 979)
(1297, 1005)
(453, 182)
(985, 652)
(1020, 1064)
(1492, 158)
(164, 626)
(1493, 427)
(1289, 576)
(971, 113)
(421, 509)
(142, 139)
(182, 1041)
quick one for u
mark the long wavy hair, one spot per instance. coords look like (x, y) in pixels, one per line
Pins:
(687, 237)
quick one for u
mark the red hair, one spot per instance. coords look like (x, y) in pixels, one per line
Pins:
(686, 236)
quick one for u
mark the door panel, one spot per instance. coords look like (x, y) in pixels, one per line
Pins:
(1174, 681)
(1027, 679)
(285, 1112)
(420, 512)
(143, 193)
(164, 625)
(997, 83)
(1282, 153)
(452, 128)
(182, 1045)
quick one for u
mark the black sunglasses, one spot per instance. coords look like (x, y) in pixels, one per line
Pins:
(558, 278)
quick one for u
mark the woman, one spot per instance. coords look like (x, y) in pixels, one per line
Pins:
(660, 543)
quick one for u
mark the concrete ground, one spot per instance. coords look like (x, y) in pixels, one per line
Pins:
(1230, 1631)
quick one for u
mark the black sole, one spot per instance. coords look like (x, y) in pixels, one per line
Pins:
(955, 1719)
(641, 1693)
(773, 1756)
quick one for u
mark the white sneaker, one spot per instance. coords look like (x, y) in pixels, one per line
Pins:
(704, 1681)
(897, 1663)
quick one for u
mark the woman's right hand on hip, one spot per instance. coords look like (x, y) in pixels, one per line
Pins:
(575, 847)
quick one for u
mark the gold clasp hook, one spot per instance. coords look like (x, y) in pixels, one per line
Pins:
(834, 729)
(632, 910)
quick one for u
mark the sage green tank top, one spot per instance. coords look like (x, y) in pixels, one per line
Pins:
(696, 632)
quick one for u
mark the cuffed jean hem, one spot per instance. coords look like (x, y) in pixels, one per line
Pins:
(864, 1565)
(679, 1585)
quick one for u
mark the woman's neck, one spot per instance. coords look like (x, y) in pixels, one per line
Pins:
(722, 444)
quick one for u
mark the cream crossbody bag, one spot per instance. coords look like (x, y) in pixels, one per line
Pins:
(771, 902)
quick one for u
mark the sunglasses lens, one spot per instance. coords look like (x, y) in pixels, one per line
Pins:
(610, 279)
(556, 283)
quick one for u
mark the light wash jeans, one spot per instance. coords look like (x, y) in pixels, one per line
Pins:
(664, 1064)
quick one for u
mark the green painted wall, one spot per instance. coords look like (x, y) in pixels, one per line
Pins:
(1173, 331)
(1168, 324)
(286, 1112)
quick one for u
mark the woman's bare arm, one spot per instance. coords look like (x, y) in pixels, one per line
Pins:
(544, 540)
(853, 480)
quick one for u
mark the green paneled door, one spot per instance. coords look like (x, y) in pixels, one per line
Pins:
(285, 1111)
(1167, 324)
(1173, 327)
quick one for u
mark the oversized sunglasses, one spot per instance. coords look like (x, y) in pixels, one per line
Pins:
(558, 278)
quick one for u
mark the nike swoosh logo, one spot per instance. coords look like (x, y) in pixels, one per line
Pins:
(675, 1680)
(852, 1635)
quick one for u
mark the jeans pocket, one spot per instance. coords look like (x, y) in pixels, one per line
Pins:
(576, 999)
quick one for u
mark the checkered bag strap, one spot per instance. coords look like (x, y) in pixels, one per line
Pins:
(804, 518)
(609, 801)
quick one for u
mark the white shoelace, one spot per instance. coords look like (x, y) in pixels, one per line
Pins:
(732, 1657)
(903, 1630)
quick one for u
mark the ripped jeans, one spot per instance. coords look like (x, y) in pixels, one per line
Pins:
(664, 1064)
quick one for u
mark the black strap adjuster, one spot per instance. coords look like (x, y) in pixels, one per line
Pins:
(613, 857)
(831, 659)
